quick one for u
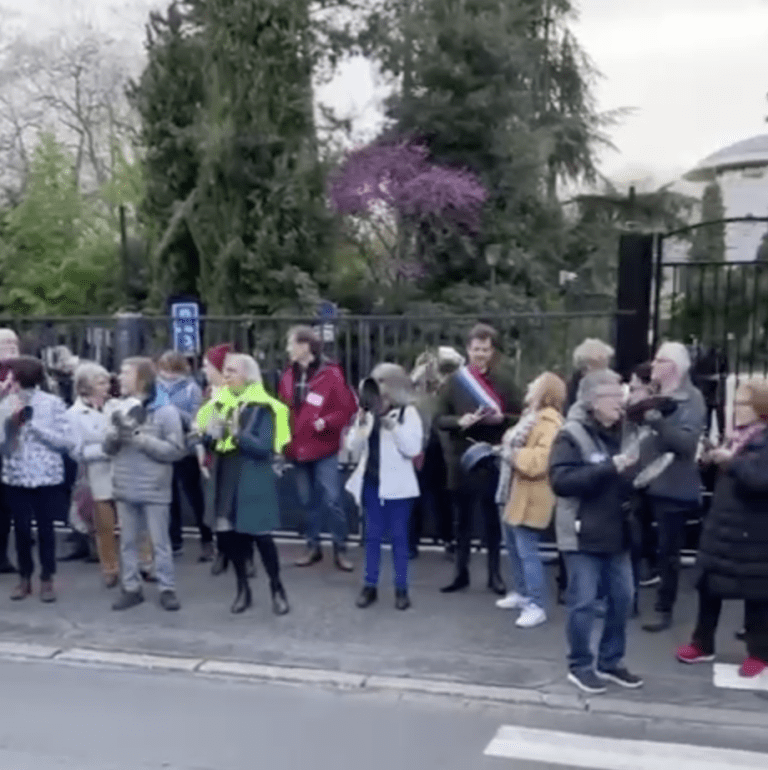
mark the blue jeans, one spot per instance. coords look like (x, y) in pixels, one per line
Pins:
(587, 573)
(381, 515)
(318, 484)
(527, 570)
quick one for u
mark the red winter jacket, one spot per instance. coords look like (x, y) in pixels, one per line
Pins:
(328, 397)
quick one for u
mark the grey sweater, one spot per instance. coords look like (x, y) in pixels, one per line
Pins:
(142, 468)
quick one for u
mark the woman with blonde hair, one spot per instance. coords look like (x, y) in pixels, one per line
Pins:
(90, 420)
(245, 427)
(527, 498)
(733, 551)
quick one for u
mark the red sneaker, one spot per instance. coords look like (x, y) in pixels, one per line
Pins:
(752, 667)
(692, 653)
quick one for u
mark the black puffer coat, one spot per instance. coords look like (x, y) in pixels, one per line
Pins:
(733, 551)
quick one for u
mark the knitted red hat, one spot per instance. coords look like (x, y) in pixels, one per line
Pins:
(217, 354)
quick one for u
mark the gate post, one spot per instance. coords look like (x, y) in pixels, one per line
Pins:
(633, 301)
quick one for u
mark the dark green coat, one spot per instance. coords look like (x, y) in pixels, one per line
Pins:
(243, 485)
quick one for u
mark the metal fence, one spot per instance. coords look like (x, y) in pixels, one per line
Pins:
(719, 305)
(533, 341)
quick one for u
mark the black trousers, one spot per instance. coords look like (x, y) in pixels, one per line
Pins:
(755, 623)
(238, 548)
(476, 501)
(188, 483)
(435, 500)
(44, 505)
(671, 517)
(5, 524)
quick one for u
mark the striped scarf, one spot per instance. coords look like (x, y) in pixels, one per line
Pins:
(477, 387)
(515, 438)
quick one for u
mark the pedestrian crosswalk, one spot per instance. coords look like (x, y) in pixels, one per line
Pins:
(727, 675)
(599, 753)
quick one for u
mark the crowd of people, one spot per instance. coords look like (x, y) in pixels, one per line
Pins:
(615, 467)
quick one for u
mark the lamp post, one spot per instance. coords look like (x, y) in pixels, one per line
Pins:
(492, 255)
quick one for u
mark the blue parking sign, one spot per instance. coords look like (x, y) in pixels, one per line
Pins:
(186, 327)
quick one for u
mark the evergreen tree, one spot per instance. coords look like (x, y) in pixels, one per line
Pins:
(501, 89)
(709, 241)
(235, 186)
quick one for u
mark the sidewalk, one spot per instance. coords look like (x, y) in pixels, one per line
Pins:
(458, 638)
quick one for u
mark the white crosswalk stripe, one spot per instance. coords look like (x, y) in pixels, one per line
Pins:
(727, 675)
(598, 753)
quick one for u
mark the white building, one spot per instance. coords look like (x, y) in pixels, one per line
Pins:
(741, 170)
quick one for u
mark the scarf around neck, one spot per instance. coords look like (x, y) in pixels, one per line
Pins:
(742, 436)
(479, 388)
(228, 405)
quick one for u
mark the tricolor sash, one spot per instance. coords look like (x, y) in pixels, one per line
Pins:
(479, 390)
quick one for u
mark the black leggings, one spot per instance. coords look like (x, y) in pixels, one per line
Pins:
(755, 623)
(238, 548)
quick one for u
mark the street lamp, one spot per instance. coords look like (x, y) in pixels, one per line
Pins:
(492, 256)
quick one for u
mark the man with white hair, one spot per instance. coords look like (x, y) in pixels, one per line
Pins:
(9, 348)
(592, 355)
(588, 473)
(676, 492)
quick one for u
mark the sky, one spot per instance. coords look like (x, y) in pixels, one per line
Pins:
(695, 72)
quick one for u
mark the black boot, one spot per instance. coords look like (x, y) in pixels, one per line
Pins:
(220, 564)
(243, 600)
(93, 553)
(367, 597)
(460, 582)
(79, 550)
(662, 622)
(402, 601)
(279, 599)
(495, 582)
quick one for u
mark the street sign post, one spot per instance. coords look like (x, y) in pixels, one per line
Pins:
(328, 314)
(186, 327)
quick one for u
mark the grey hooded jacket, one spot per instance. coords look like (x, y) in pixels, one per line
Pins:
(142, 468)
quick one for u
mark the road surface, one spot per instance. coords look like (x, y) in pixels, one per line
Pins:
(65, 717)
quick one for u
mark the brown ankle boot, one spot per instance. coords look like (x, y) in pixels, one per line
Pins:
(47, 594)
(22, 590)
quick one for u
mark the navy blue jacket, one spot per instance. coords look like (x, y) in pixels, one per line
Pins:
(600, 518)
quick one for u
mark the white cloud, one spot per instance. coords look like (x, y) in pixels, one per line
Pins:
(695, 70)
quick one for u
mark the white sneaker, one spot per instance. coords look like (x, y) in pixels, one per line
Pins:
(512, 601)
(531, 616)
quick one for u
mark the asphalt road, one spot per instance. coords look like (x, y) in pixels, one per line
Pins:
(59, 717)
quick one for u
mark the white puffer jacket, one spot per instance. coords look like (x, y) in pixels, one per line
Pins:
(398, 446)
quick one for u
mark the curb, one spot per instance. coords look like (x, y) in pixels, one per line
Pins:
(491, 694)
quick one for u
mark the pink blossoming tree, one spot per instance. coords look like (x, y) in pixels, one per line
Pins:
(390, 190)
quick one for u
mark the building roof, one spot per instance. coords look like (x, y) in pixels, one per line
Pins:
(745, 154)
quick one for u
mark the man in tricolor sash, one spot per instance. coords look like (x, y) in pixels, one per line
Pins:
(477, 404)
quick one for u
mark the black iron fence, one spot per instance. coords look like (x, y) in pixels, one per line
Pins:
(721, 306)
(533, 341)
